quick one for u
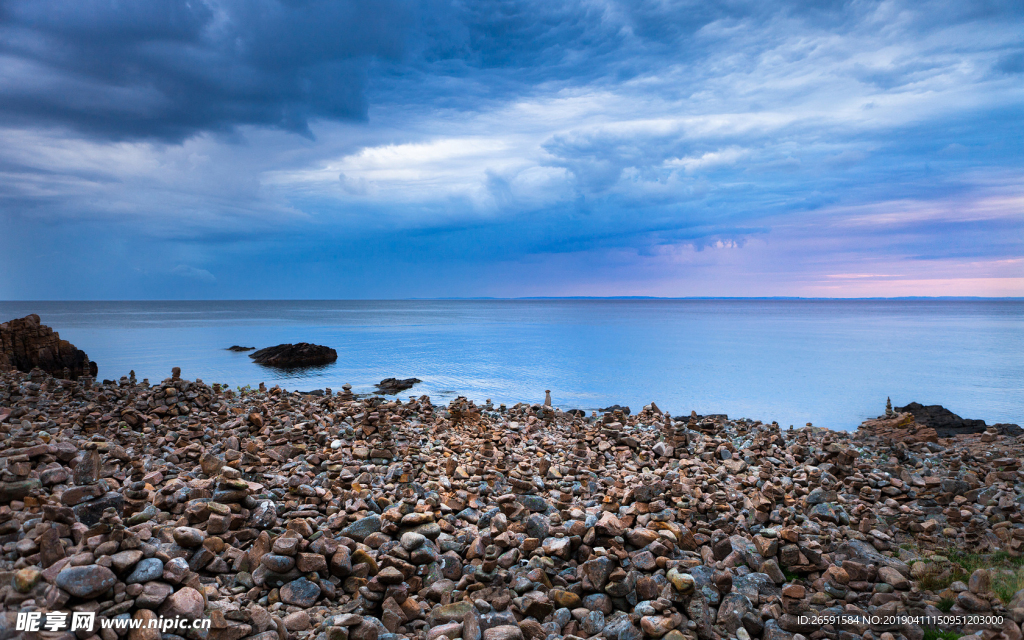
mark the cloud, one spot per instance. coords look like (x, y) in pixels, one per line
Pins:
(192, 273)
(168, 69)
(335, 148)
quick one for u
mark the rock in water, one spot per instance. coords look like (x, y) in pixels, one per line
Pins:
(26, 344)
(302, 354)
(235, 347)
(393, 386)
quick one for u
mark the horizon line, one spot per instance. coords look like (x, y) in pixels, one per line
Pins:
(517, 298)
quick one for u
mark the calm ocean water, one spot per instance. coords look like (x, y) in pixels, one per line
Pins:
(831, 363)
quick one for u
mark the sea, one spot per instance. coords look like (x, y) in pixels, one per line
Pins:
(831, 363)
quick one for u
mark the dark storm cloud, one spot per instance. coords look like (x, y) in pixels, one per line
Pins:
(171, 68)
(168, 69)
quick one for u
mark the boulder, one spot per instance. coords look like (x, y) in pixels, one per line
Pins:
(948, 424)
(287, 356)
(26, 344)
(393, 386)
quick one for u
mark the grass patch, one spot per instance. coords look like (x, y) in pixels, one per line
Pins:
(936, 634)
(1007, 583)
(1007, 573)
(945, 604)
(790, 576)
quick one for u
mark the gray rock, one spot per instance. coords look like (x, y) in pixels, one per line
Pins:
(301, 593)
(363, 527)
(86, 582)
(146, 570)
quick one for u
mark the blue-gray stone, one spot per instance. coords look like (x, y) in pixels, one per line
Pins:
(363, 527)
(146, 570)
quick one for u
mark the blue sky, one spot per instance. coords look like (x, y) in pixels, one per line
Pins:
(306, 149)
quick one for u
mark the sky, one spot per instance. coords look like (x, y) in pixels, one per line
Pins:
(277, 149)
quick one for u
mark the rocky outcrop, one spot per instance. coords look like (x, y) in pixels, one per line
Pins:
(26, 344)
(899, 428)
(393, 386)
(947, 424)
(235, 347)
(289, 356)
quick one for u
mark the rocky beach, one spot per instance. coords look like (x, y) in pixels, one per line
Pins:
(279, 515)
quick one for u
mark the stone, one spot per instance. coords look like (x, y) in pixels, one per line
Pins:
(563, 598)
(731, 611)
(87, 581)
(301, 593)
(153, 595)
(189, 537)
(278, 563)
(893, 577)
(682, 582)
(657, 626)
(183, 603)
(10, 491)
(504, 632)
(26, 344)
(411, 540)
(175, 570)
(90, 512)
(592, 623)
(143, 631)
(393, 386)
(298, 621)
(26, 579)
(363, 527)
(287, 356)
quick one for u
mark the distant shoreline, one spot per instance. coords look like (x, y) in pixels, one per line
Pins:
(552, 298)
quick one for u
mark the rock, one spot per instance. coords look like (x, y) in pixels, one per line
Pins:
(175, 570)
(363, 527)
(730, 613)
(153, 595)
(183, 603)
(393, 386)
(980, 582)
(91, 512)
(289, 356)
(189, 537)
(565, 599)
(17, 490)
(449, 630)
(144, 632)
(454, 612)
(972, 603)
(301, 593)
(455, 521)
(278, 563)
(596, 573)
(235, 347)
(947, 424)
(682, 582)
(26, 579)
(504, 632)
(893, 577)
(87, 581)
(298, 621)
(25, 344)
(592, 623)
(657, 626)
(146, 569)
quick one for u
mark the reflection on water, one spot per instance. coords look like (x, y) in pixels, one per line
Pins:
(828, 362)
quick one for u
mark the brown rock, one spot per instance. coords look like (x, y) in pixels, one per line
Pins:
(26, 344)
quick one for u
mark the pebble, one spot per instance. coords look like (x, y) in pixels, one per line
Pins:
(337, 517)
